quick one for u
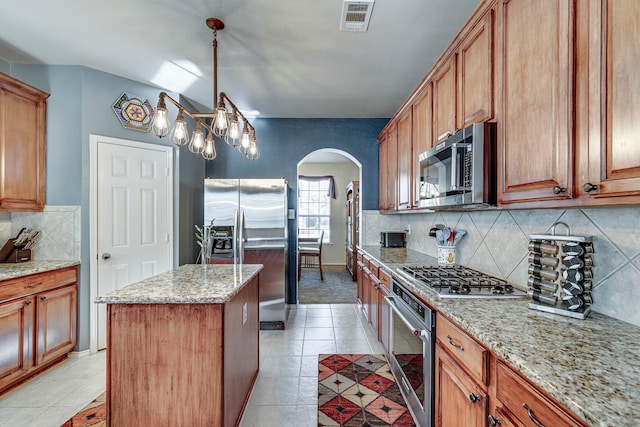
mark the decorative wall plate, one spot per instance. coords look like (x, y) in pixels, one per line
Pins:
(133, 112)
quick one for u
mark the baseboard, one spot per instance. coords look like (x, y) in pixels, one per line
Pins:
(79, 354)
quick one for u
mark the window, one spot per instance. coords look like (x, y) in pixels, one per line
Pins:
(314, 207)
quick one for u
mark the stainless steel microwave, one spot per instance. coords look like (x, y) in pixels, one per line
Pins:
(460, 172)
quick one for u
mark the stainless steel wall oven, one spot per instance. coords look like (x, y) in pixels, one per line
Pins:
(412, 349)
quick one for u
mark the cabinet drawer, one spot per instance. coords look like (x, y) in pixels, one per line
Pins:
(469, 354)
(374, 267)
(385, 278)
(514, 392)
(15, 288)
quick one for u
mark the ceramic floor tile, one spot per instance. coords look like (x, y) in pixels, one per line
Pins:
(319, 322)
(288, 348)
(309, 366)
(319, 334)
(274, 391)
(280, 416)
(353, 348)
(349, 333)
(280, 366)
(308, 391)
(21, 416)
(319, 347)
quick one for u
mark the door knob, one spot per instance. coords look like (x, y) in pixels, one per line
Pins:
(106, 255)
(557, 189)
(589, 187)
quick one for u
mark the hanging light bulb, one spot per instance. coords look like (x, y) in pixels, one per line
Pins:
(179, 134)
(245, 140)
(221, 122)
(209, 152)
(233, 136)
(253, 153)
(196, 145)
(160, 125)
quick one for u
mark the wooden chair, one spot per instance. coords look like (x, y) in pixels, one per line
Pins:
(310, 254)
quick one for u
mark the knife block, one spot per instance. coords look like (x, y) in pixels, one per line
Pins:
(560, 273)
(10, 253)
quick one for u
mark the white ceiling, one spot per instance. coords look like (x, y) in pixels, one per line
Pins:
(276, 58)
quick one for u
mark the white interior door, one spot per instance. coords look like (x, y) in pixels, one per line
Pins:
(133, 217)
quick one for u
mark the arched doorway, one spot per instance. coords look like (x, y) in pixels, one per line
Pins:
(344, 169)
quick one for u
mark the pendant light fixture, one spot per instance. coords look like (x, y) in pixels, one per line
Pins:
(223, 124)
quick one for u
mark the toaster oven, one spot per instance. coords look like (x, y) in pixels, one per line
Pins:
(393, 239)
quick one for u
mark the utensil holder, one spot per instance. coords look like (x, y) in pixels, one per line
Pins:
(560, 273)
(446, 255)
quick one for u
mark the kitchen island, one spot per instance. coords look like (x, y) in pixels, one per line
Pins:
(182, 346)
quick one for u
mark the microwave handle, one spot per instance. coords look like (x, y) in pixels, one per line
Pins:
(454, 168)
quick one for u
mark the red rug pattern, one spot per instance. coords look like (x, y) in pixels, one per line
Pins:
(359, 390)
(92, 415)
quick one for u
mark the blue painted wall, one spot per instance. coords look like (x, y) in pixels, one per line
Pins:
(284, 143)
(80, 105)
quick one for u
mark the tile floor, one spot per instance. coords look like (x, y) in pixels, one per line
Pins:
(285, 393)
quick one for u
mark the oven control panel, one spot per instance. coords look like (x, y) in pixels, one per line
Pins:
(416, 306)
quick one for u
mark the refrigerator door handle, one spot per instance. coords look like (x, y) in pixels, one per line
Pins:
(234, 240)
(241, 238)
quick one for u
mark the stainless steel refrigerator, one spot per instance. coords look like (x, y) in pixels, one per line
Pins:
(250, 226)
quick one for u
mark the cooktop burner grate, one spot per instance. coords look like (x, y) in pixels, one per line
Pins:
(459, 281)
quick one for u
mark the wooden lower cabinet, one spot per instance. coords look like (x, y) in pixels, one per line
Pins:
(526, 404)
(56, 319)
(459, 400)
(475, 388)
(37, 323)
(360, 284)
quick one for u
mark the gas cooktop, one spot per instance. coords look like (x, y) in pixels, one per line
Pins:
(457, 281)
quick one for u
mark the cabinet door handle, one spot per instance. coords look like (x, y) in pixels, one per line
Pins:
(43, 298)
(456, 345)
(28, 303)
(474, 398)
(557, 189)
(35, 285)
(588, 187)
(494, 421)
(531, 415)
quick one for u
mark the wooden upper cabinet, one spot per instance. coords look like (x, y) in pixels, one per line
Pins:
(475, 74)
(614, 90)
(392, 168)
(382, 173)
(444, 100)
(22, 146)
(535, 61)
(405, 156)
(422, 134)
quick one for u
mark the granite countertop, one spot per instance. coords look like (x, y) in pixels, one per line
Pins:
(19, 269)
(591, 366)
(188, 284)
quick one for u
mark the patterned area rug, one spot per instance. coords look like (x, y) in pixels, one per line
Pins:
(336, 288)
(359, 390)
(93, 415)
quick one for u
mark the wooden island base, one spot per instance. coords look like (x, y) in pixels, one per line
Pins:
(182, 364)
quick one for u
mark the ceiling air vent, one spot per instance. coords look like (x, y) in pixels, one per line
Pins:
(356, 15)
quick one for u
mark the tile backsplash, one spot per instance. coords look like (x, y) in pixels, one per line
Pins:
(60, 227)
(497, 241)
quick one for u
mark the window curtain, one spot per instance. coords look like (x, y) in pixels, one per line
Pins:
(332, 183)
